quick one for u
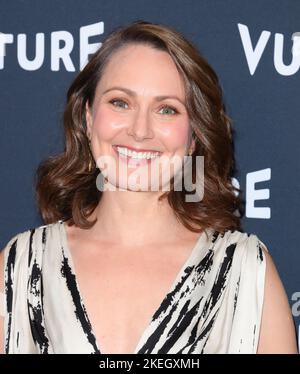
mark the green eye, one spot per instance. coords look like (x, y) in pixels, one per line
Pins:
(171, 110)
(118, 101)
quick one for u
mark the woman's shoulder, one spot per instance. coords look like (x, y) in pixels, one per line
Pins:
(261, 294)
(246, 243)
(32, 238)
(243, 255)
(24, 249)
(31, 231)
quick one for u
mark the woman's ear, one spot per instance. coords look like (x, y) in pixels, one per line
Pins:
(193, 145)
(192, 140)
(88, 119)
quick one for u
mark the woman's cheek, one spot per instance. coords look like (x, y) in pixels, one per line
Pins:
(175, 135)
(106, 124)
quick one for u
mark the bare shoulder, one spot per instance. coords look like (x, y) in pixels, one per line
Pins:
(10, 250)
(277, 333)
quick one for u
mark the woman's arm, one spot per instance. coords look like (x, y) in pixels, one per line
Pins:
(1, 300)
(277, 333)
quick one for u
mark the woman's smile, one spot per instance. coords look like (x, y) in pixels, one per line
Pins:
(135, 158)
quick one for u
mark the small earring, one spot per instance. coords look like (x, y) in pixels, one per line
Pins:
(90, 162)
(90, 166)
(190, 152)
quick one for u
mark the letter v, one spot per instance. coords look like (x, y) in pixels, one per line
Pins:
(253, 56)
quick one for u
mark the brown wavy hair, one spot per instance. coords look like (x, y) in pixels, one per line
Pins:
(66, 189)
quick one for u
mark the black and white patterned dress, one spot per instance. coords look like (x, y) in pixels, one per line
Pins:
(213, 306)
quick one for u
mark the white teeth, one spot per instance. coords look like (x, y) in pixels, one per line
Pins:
(127, 152)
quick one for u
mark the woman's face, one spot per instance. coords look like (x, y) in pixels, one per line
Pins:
(139, 106)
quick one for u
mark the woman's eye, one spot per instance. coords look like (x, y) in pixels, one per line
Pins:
(170, 110)
(122, 104)
(118, 102)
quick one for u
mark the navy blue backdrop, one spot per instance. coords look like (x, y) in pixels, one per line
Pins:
(254, 46)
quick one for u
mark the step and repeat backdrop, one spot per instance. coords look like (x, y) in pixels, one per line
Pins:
(253, 46)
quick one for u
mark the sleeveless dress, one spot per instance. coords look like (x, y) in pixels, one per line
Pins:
(213, 306)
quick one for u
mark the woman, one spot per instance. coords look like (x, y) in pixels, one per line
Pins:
(122, 268)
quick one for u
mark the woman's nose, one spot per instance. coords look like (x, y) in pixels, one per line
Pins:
(141, 127)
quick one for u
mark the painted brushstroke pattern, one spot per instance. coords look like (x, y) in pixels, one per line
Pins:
(186, 321)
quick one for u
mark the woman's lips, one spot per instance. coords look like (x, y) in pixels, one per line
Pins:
(136, 149)
(133, 162)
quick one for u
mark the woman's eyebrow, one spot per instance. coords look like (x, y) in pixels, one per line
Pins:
(134, 94)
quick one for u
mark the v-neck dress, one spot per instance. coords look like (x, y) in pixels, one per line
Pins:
(213, 306)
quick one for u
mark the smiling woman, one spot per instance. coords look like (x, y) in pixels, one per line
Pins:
(162, 71)
(130, 270)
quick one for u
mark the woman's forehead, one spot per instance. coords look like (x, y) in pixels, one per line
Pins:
(144, 70)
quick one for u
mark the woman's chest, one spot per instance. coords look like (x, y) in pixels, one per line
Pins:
(122, 289)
